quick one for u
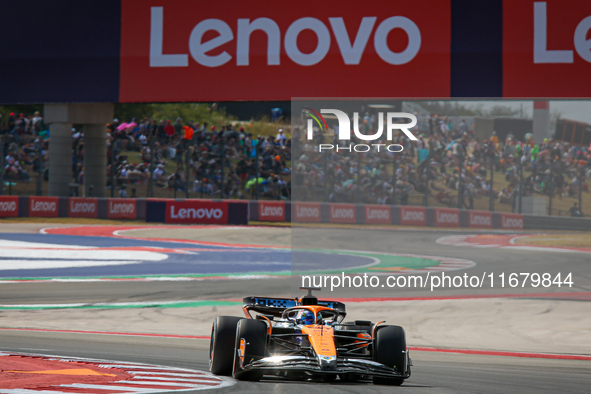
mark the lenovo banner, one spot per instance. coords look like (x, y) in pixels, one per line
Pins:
(546, 41)
(413, 216)
(8, 206)
(196, 211)
(480, 219)
(122, 208)
(447, 217)
(83, 207)
(377, 214)
(511, 221)
(307, 212)
(47, 207)
(342, 213)
(182, 50)
(271, 211)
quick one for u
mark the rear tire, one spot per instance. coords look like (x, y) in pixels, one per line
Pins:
(221, 347)
(390, 349)
(254, 333)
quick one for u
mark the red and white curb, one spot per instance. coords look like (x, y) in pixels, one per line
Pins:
(502, 241)
(137, 378)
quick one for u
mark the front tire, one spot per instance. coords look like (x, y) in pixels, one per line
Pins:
(251, 345)
(221, 346)
(390, 349)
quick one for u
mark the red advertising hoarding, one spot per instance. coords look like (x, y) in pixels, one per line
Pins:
(342, 213)
(307, 212)
(180, 50)
(546, 48)
(122, 208)
(480, 219)
(413, 216)
(47, 207)
(83, 207)
(377, 214)
(197, 211)
(511, 221)
(447, 217)
(8, 206)
(272, 211)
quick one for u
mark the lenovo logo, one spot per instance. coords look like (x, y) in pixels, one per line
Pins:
(8, 206)
(377, 214)
(268, 211)
(480, 220)
(308, 212)
(448, 218)
(121, 208)
(352, 42)
(509, 222)
(82, 207)
(413, 216)
(342, 213)
(196, 213)
(43, 206)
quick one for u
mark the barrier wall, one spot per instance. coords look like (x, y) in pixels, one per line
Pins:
(193, 211)
(239, 212)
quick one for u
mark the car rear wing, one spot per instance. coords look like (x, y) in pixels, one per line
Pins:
(276, 306)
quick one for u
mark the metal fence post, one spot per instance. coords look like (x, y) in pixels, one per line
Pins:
(325, 177)
(491, 199)
(187, 161)
(112, 160)
(2, 165)
(550, 184)
(581, 177)
(152, 160)
(460, 181)
(256, 166)
(520, 200)
(39, 169)
(426, 197)
(359, 199)
(222, 157)
(394, 180)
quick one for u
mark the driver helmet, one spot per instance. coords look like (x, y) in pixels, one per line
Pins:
(305, 317)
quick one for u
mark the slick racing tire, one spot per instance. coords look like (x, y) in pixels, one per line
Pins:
(221, 346)
(253, 333)
(390, 349)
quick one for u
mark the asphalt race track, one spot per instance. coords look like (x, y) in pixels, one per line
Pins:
(433, 372)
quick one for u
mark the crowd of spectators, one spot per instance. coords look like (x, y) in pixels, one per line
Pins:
(221, 161)
(25, 147)
(443, 163)
(207, 160)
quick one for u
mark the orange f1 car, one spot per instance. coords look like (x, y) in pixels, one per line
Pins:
(306, 339)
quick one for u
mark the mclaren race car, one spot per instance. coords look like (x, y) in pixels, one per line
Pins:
(305, 338)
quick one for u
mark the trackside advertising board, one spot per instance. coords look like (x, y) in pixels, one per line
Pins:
(342, 213)
(83, 207)
(511, 221)
(413, 216)
(547, 41)
(8, 206)
(480, 219)
(378, 214)
(307, 212)
(447, 217)
(181, 50)
(47, 207)
(122, 208)
(196, 211)
(271, 211)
